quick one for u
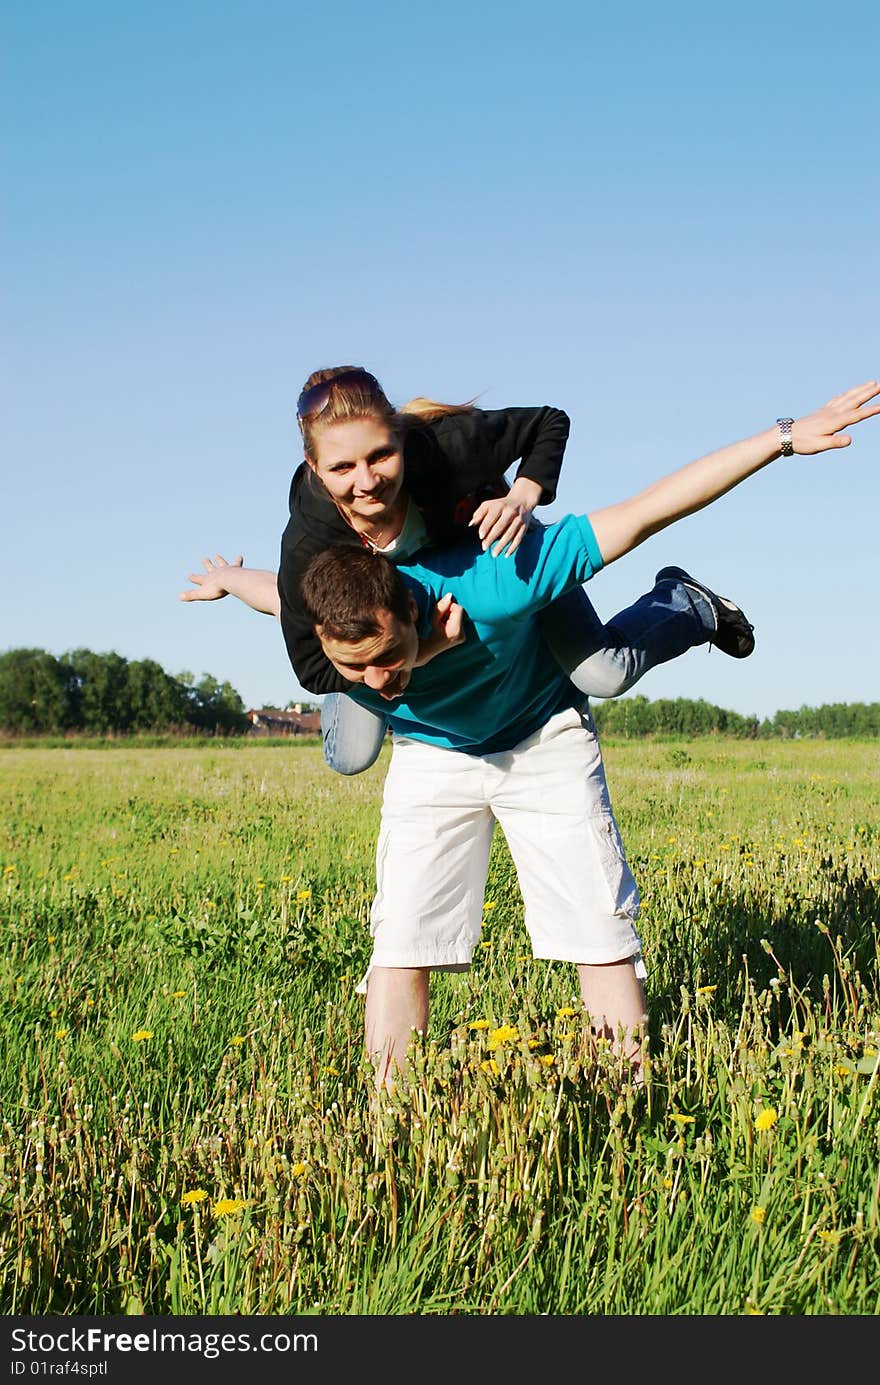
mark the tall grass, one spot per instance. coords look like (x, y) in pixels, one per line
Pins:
(187, 1119)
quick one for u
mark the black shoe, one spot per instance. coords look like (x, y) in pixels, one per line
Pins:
(733, 634)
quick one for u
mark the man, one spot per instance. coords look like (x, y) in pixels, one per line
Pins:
(490, 731)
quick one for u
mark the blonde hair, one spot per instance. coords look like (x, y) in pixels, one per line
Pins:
(364, 398)
(429, 410)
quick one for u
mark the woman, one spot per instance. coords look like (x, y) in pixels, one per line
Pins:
(429, 474)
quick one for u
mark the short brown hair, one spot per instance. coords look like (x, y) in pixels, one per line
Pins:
(343, 588)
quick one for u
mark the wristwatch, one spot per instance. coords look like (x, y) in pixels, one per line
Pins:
(785, 446)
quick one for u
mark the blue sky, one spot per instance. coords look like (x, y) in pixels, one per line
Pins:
(663, 219)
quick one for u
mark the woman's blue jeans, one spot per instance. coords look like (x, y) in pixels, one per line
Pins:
(601, 660)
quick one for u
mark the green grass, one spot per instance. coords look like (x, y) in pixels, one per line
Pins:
(216, 899)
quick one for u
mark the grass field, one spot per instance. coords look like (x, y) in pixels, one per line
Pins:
(186, 1122)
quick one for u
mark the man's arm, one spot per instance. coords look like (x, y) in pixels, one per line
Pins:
(622, 527)
(256, 587)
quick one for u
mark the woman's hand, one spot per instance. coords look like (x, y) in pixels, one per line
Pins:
(503, 521)
(819, 431)
(210, 584)
(446, 631)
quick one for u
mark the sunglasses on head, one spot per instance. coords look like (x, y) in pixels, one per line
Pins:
(315, 399)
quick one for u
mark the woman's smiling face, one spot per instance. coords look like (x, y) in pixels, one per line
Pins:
(360, 463)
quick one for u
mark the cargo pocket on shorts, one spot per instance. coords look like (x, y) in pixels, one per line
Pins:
(621, 887)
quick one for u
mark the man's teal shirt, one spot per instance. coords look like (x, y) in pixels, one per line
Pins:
(502, 684)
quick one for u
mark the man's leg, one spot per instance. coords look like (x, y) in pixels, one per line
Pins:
(397, 1004)
(614, 999)
(581, 901)
(431, 861)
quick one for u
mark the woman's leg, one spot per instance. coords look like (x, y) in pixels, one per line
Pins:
(674, 616)
(353, 735)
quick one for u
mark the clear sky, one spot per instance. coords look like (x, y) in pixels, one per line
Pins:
(661, 218)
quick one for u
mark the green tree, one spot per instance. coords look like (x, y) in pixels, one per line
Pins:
(37, 692)
(102, 690)
(158, 702)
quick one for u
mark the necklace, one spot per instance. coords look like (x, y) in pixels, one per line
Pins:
(373, 541)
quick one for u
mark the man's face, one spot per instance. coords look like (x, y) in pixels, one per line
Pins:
(384, 661)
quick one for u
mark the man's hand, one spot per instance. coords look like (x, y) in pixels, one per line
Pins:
(210, 584)
(446, 630)
(820, 431)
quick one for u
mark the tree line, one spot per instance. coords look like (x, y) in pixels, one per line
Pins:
(638, 716)
(107, 694)
(100, 694)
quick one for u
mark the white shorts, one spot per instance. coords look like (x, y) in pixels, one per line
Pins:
(550, 796)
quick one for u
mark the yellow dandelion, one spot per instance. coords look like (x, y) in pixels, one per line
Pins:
(61, 1033)
(228, 1206)
(681, 1119)
(140, 1034)
(766, 1119)
(303, 894)
(179, 995)
(491, 1067)
(334, 1072)
(548, 1059)
(707, 990)
(533, 1043)
(237, 1039)
(260, 885)
(667, 1183)
(831, 1238)
(565, 1012)
(485, 944)
(194, 1195)
(53, 1014)
(298, 1170)
(51, 938)
(7, 870)
(758, 1215)
(504, 1034)
(478, 1024)
(752, 1311)
(489, 904)
(286, 879)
